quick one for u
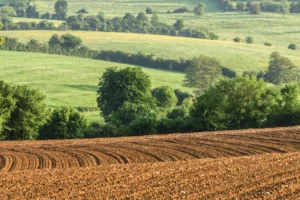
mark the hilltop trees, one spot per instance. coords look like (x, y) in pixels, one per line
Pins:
(280, 69)
(199, 10)
(202, 72)
(6, 14)
(60, 9)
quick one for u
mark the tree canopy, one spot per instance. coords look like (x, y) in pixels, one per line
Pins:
(202, 72)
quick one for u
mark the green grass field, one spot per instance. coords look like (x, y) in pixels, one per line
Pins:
(237, 56)
(68, 80)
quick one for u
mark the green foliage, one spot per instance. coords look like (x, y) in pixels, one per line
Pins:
(118, 86)
(202, 72)
(240, 6)
(233, 104)
(254, 8)
(61, 9)
(280, 69)
(181, 96)
(249, 40)
(181, 10)
(22, 112)
(267, 44)
(200, 9)
(237, 39)
(292, 46)
(82, 11)
(66, 41)
(64, 123)
(7, 11)
(149, 10)
(178, 25)
(285, 7)
(165, 97)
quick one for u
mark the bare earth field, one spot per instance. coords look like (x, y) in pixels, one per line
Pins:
(248, 164)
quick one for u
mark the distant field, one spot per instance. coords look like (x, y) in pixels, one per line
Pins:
(236, 56)
(69, 80)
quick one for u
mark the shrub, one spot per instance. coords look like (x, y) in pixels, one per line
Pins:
(267, 44)
(181, 10)
(292, 46)
(237, 39)
(249, 40)
(149, 10)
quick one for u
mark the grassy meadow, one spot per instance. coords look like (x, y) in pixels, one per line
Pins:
(68, 80)
(236, 56)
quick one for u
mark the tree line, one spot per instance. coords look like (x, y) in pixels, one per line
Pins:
(255, 7)
(129, 23)
(71, 45)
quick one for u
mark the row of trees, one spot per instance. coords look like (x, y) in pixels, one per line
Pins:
(255, 7)
(198, 10)
(130, 107)
(70, 45)
(139, 24)
(26, 8)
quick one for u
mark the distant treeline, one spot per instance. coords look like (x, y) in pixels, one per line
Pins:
(139, 24)
(256, 6)
(70, 45)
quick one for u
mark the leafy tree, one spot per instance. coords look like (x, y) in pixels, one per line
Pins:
(64, 123)
(280, 69)
(1, 26)
(165, 97)
(82, 11)
(202, 72)
(254, 8)
(234, 104)
(118, 86)
(237, 39)
(70, 41)
(154, 19)
(6, 14)
(285, 7)
(61, 9)
(20, 7)
(149, 10)
(178, 25)
(31, 12)
(249, 40)
(23, 111)
(93, 23)
(142, 17)
(101, 16)
(240, 6)
(181, 96)
(292, 46)
(55, 41)
(199, 10)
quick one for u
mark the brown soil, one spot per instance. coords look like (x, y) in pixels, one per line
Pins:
(249, 164)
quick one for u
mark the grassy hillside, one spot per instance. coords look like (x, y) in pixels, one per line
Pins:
(237, 56)
(68, 80)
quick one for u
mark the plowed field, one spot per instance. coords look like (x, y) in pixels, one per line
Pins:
(258, 163)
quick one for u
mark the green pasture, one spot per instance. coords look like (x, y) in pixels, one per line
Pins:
(69, 80)
(236, 56)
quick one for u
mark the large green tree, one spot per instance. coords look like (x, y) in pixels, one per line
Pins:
(234, 104)
(118, 86)
(23, 111)
(61, 9)
(280, 69)
(202, 72)
(6, 14)
(200, 9)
